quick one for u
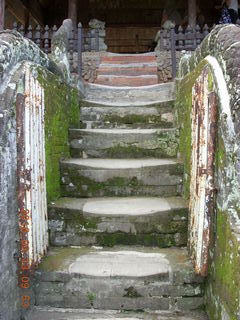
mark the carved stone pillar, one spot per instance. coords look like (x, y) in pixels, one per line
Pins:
(72, 11)
(2, 14)
(192, 12)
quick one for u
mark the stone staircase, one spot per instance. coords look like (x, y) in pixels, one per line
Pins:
(119, 234)
(128, 70)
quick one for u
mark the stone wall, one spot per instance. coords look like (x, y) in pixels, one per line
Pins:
(218, 52)
(164, 61)
(61, 110)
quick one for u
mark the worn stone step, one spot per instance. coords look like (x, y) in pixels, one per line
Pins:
(124, 221)
(128, 95)
(124, 143)
(127, 81)
(121, 177)
(121, 278)
(134, 115)
(48, 313)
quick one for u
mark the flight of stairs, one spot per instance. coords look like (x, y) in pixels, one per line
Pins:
(128, 70)
(119, 233)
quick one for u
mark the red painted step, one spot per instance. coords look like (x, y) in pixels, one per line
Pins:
(128, 59)
(119, 81)
(130, 71)
(127, 70)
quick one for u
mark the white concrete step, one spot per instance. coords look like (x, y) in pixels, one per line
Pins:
(121, 177)
(124, 143)
(47, 313)
(122, 278)
(127, 95)
(113, 221)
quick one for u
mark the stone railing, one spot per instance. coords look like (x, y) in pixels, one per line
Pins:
(207, 77)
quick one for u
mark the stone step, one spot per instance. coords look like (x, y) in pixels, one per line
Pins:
(124, 143)
(127, 95)
(118, 221)
(135, 115)
(121, 278)
(125, 70)
(48, 313)
(121, 177)
(127, 81)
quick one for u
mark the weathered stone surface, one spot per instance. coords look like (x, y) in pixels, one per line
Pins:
(111, 177)
(111, 221)
(124, 143)
(94, 283)
(137, 115)
(126, 96)
(45, 313)
(218, 53)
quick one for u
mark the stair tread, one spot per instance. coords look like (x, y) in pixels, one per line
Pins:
(99, 103)
(124, 131)
(48, 313)
(116, 206)
(120, 261)
(120, 163)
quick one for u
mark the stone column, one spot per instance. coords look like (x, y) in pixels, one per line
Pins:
(192, 12)
(2, 14)
(72, 11)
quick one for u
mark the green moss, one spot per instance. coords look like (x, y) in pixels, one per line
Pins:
(131, 151)
(224, 276)
(210, 82)
(61, 112)
(148, 239)
(183, 106)
(59, 259)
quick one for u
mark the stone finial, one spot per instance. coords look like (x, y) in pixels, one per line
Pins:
(96, 24)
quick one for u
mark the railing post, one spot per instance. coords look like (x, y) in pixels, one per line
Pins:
(97, 39)
(2, 14)
(79, 49)
(173, 53)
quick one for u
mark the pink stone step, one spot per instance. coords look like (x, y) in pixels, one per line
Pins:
(127, 81)
(131, 71)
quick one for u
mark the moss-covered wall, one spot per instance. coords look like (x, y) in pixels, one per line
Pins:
(61, 113)
(183, 107)
(223, 281)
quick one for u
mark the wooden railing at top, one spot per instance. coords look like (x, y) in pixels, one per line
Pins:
(82, 40)
(179, 39)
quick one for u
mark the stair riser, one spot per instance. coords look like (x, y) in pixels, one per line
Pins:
(163, 92)
(127, 81)
(164, 180)
(117, 117)
(129, 59)
(127, 71)
(119, 294)
(158, 144)
(71, 227)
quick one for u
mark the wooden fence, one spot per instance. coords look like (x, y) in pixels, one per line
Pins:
(81, 40)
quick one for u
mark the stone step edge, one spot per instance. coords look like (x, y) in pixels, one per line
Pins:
(69, 204)
(99, 314)
(116, 131)
(95, 164)
(99, 103)
(90, 86)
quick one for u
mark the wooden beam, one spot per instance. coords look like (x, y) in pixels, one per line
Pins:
(34, 9)
(192, 13)
(2, 14)
(72, 11)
